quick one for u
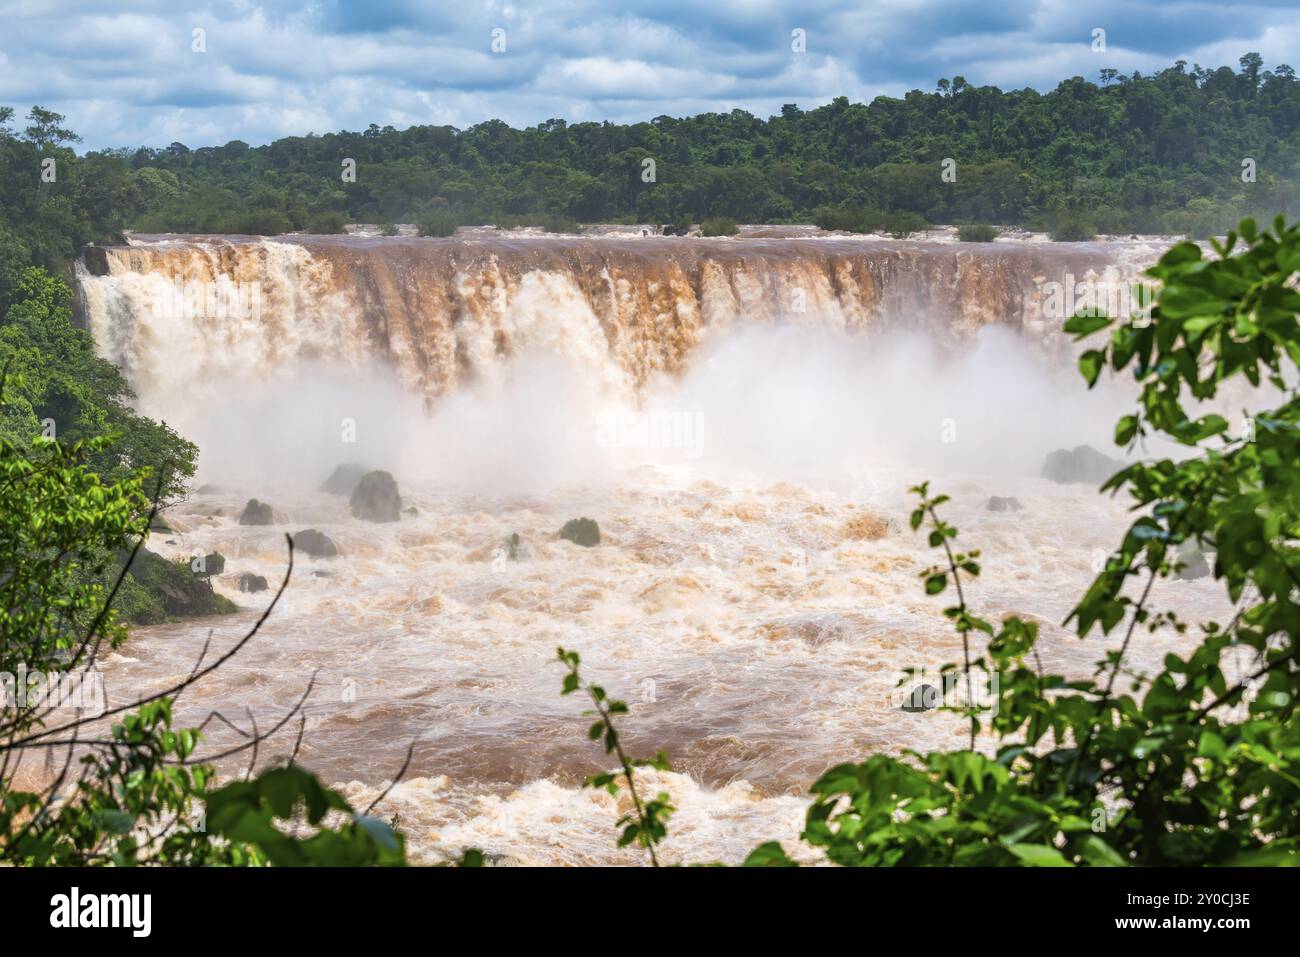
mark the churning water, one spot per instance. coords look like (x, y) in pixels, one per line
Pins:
(742, 417)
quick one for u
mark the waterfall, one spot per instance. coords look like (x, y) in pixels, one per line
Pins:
(177, 313)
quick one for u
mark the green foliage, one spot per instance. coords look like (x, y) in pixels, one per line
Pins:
(977, 233)
(440, 223)
(1070, 227)
(581, 531)
(258, 222)
(254, 812)
(326, 222)
(899, 225)
(847, 220)
(558, 223)
(135, 802)
(647, 824)
(140, 796)
(57, 380)
(60, 525)
(142, 801)
(155, 590)
(56, 386)
(1158, 153)
(902, 225)
(1181, 767)
(718, 226)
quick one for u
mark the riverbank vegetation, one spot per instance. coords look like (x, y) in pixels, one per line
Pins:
(83, 783)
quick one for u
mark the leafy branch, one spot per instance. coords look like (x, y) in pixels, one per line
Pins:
(646, 825)
(936, 580)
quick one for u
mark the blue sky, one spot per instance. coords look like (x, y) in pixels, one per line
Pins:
(126, 74)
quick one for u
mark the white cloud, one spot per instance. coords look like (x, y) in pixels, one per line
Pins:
(276, 68)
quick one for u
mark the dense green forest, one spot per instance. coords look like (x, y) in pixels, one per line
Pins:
(1161, 153)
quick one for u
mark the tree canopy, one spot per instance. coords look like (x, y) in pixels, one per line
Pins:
(1161, 153)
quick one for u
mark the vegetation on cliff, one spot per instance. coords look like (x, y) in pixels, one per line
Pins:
(58, 387)
(156, 589)
(133, 790)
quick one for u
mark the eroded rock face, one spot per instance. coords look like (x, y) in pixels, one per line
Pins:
(344, 479)
(256, 513)
(315, 543)
(1081, 464)
(96, 260)
(376, 499)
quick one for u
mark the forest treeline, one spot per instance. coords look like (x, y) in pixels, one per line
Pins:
(1160, 153)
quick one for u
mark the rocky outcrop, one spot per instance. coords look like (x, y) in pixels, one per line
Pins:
(96, 260)
(315, 544)
(213, 563)
(376, 499)
(256, 513)
(1081, 464)
(997, 503)
(344, 479)
(581, 531)
(155, 590)
(251, 583)
(922, 698)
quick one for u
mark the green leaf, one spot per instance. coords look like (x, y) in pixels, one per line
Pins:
(1090, 364)
(1126, 429)
(1038, 855)
(1099, 854)
(114, 821)
(770, 854)
(1081, 326)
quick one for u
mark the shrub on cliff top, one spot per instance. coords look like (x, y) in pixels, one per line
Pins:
(718, 226)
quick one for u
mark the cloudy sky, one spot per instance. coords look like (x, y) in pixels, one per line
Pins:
(128, 74)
